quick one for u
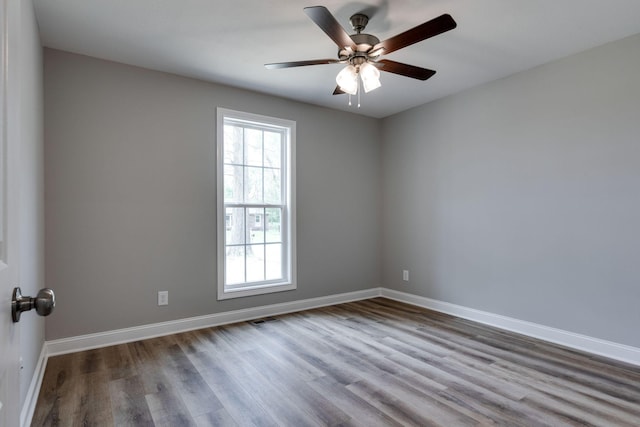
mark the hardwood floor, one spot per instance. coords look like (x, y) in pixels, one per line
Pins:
(368, 363)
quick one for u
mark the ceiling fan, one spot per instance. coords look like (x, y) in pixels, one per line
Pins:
(361, 52)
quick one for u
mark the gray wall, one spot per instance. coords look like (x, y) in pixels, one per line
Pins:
(522, 197)
(518, 197)
(31, 226)
(130, 195)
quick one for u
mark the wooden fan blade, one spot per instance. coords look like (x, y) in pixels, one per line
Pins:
(404, 69)
(327, 23)
(300, 63)
(338, 91)
(424, 31)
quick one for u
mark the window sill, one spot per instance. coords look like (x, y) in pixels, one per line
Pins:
(255, 290)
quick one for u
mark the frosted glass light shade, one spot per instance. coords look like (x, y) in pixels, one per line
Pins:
(370, 77)
(347, 79)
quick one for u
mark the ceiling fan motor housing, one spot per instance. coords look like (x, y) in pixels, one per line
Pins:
(363, 44)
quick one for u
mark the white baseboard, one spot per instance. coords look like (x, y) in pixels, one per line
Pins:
(30, 401)
(120, 336)
(585, 343)
(612, 350)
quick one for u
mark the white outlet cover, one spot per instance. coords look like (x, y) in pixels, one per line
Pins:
(163, 298)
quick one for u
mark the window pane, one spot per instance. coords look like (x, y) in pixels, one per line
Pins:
(234, 224)
(234, 265)
(272, 186)
(255, 225)
(233, 179)
(255, 263)
(272, 149)
(233, 144)
(253, 139)
(272, 225)
(273, 260)
(253, 185)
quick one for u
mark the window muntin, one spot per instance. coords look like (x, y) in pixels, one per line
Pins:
(256, 253)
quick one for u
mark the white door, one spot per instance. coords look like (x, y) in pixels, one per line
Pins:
(9, 159)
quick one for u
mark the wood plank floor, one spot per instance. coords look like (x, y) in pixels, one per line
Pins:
(368, 363)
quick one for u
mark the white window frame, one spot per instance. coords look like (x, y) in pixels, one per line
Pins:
(288, 215)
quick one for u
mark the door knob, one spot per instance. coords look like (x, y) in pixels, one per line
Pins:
(44, 303)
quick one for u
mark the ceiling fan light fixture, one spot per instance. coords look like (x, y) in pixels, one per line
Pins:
(370, 77)
(347, 79)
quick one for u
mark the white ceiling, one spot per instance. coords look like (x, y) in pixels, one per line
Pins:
(229, 41)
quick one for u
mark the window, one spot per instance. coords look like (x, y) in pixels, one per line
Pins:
(256, 204)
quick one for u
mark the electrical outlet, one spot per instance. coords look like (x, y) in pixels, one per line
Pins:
(405, 275)
(163, 298)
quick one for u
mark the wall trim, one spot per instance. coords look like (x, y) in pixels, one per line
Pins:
(29, 405)
(580, 342)
(612, 350)
(120, 336)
